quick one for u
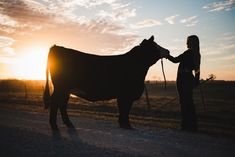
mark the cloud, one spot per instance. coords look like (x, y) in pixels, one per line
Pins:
(24, 10)
(7, 21)
(6, 51)
(89, 3)
(125, 13)
(101, 26)
(117, 15)
(224, 58)
(61, 18)
(222, 51)
(190, 21)
(114, 8)
(117, 12)
(227, 37)
(171, 19)
(228, 46)
(226, 5)
(98, 34)
(6, 41)
(5, 46)
(22, 16)
(146, 23)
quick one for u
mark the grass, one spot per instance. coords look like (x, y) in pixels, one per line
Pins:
(163, 112)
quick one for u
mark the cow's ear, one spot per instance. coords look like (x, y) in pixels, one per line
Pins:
(151, 38)
(144, 41)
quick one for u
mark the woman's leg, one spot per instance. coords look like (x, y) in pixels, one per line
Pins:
(188, 113)
(189, 117)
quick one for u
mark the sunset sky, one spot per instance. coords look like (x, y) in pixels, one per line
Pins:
(107, 27)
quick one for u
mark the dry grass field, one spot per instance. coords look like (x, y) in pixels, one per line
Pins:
(216, 115)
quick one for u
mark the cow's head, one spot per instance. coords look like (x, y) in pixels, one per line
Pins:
(151, 51)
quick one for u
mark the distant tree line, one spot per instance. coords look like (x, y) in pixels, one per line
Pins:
(15, 85)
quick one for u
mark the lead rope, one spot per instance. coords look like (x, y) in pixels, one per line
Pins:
(146, 91)
(147, 96)
(163, 72)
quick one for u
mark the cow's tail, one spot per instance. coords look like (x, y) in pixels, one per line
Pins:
(46, 94)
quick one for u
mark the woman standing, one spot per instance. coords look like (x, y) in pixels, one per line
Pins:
(186, 81)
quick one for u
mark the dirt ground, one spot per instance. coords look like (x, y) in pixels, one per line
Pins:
(24, 131)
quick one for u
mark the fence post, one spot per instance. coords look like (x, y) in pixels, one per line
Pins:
(25, 92)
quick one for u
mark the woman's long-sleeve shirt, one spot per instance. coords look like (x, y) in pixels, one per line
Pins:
(187, 64)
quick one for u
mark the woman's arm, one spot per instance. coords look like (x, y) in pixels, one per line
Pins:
(174, 59)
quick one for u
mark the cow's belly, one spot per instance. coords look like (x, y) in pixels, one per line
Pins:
(94, 96)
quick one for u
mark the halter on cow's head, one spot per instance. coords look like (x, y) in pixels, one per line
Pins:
(151, 52)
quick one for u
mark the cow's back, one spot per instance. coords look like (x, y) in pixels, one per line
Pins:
(70, 61)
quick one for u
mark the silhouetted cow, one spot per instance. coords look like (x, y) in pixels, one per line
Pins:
(94, 78)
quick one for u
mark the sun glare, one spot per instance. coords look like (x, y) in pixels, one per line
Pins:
(31, 64)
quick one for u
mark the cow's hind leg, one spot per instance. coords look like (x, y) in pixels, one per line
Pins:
(63, 110)
(124, 110)
(54, 110)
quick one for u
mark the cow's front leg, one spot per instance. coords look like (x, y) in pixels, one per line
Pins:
(124, 107)
(63, 110)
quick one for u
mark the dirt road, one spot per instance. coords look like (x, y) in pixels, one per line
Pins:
(26, 133)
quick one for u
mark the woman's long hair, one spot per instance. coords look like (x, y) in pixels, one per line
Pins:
(193, 43)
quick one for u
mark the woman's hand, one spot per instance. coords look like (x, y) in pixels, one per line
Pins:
(166, 55)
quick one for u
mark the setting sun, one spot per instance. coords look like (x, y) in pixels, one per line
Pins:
(31, 65)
